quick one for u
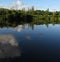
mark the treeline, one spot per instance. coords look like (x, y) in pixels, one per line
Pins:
(14, 16)
(10, 17)
(46, 16)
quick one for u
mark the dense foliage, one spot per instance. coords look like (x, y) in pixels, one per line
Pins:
(9, 17)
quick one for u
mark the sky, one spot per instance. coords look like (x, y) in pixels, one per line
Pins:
(53, 5)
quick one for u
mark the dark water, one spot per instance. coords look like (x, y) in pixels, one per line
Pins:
(38, 43)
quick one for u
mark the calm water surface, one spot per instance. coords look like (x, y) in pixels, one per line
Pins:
(38, 43)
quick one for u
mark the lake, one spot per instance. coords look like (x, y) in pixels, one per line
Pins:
(38, 43)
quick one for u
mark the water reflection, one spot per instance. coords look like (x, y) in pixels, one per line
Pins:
(9, 47)
(39, 43)
(19, 28)
(28, 37)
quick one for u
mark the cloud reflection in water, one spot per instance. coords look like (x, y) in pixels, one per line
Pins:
(9, 47)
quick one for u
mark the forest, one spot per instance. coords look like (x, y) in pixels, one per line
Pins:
(14, 17)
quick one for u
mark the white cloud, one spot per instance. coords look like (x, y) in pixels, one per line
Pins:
(16, 5)
(19, 3)
(12, 6)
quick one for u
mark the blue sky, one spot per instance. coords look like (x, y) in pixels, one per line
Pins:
(38, 4)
